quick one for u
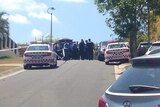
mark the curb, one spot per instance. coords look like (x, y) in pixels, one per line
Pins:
(119, 69)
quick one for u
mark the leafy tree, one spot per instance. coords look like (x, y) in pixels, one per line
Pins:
(4, 25)
(128, 17)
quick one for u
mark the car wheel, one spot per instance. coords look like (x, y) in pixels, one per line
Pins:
(27, 66)
(54, 65)
(107, 63)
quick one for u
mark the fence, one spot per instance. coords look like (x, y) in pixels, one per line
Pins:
(9, 48)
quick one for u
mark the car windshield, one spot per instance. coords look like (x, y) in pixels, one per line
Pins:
(38, 48)
(142, 78)
(112, 46)
(104, 44)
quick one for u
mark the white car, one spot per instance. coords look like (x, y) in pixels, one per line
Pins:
(154, 48)
(39, 55)
(118, 51)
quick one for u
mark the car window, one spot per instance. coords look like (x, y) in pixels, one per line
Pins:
(144, 45)
(137, 76)
(116, 46)
(37, 48)
(154, 47)
(104, 44)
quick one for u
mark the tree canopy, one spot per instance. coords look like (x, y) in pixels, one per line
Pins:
(4, 25)
(129, 17)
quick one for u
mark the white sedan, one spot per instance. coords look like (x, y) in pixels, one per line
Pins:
(39, 55)
(118, 51)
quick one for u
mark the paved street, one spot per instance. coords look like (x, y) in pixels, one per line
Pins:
(72, 84)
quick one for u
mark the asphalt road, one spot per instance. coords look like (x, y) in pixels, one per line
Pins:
(72, 84)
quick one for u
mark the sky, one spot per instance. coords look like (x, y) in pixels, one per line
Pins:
(74, 19)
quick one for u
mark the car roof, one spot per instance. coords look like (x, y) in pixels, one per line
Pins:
(156, 42)
(141, 43)
(39, 45)
(117, 43)
(146, 60)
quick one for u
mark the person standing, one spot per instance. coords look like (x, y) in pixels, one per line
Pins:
(90, 49)
(86, 50)
(81, 49)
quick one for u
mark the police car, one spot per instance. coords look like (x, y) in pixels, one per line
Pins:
(118, 51)
(39, 55)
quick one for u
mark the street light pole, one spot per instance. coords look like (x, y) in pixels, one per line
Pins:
(50, 11)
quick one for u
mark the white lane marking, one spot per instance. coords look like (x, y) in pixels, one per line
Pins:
(12, 74)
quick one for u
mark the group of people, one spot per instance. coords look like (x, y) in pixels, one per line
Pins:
(86, 49)
(75, 50)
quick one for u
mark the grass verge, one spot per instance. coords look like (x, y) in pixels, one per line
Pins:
(6, 68)
(9, 60)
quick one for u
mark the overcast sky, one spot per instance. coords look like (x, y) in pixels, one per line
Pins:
(74, 19)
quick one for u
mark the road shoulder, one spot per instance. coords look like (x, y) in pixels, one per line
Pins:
(12, 71)
(119, 69)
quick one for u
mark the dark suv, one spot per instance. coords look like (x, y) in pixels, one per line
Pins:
(142, 48)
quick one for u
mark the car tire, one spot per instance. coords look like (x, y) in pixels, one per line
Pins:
(54, 65)
(26, 67)
(107, 63)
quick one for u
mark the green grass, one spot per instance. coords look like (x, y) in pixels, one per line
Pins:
(4, 57)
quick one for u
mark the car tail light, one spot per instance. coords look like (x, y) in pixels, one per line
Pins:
(102, 102)
(125, 50)
(108, 52)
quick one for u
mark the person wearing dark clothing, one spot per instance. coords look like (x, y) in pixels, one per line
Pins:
(86, 50)
(81, 49)
(74, 51)
(90, 49)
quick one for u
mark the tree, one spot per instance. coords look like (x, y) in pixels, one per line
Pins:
(128, 17)
(4, 25)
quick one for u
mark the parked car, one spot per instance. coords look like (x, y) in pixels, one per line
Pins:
(39, 55)
(154, 46)
(142, 48)
(101, 49)
(118, 51)
(154, 51)
(138, 86)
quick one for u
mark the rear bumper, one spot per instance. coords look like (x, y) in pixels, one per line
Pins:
(109, 59)
(39, 62)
